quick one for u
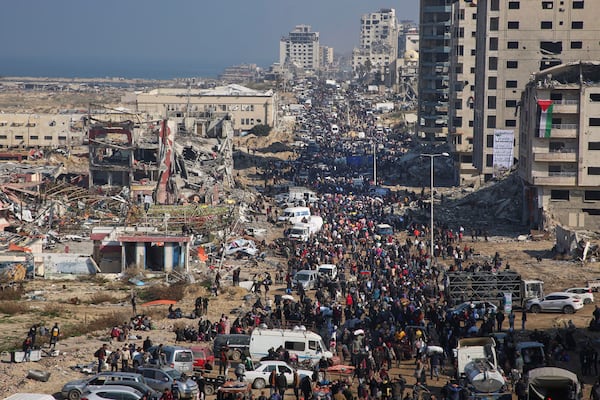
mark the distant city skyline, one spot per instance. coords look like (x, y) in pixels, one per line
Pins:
(164, 40)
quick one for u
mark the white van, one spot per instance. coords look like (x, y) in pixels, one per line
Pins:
(306, 345)
(293, 215)
(330, 270)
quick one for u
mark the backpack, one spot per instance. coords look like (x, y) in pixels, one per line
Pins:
(97, 353)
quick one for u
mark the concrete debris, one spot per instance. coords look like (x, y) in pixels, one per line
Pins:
(129, 173)
(498, 202)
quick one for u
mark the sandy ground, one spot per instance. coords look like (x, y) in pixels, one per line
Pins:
(78, 350)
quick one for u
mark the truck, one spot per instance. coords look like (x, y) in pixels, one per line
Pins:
(302, 231)
(553, 383)
(301, 343)
(477, 368)
(461, 286)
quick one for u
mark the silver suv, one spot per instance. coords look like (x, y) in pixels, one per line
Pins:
(72, 390)
(564, 302)
(162, 378)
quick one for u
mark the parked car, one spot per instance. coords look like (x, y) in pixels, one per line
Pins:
(482, 307)
(203, 357)
(161, 378)
(584, 292)
(259, 376)
(567, 303)
(306, 278)
(140, 387)
(72, 390)
(114, 392)
(237, 345)
(177, 357)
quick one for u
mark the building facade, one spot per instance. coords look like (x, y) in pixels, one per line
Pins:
(378, 44)
(513, 40)
(434, 67)
(559, 152)
(300, 47)
(26, 130)
(326, 56)
(245, 107)
(462, 89)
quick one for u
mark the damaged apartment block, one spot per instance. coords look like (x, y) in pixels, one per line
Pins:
(111, 154)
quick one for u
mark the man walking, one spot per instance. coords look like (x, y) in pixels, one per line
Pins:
(281, 384)
(511, 321)
(499, 320)
(54, 334)
(100, 354)
(134, 302)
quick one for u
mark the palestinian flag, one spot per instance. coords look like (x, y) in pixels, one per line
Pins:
(545, 118)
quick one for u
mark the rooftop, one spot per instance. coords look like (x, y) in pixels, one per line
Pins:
(228, 90)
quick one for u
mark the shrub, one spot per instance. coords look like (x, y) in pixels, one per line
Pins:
(102, 297)
(51, 310)
(163, 292)
(11, 293)
(13, 307)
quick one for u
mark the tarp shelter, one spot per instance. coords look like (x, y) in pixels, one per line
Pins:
(159, 303)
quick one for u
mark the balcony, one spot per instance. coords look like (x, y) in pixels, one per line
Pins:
(566, 131)
(437, 49)
(566, 106)
(442, 36)
(567, 155)
(437, 9)
(556, 179)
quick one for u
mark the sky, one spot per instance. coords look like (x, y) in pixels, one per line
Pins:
(167, 39)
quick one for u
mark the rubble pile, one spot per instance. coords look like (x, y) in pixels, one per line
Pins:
(498, 202)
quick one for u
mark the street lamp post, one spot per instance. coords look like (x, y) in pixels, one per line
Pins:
(431, 157)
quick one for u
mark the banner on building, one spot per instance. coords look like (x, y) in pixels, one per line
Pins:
(546, 108)
(503, 150)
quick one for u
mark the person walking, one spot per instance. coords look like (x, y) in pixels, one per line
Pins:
(100, 354)
(134, 302)
(273, 382)
(296, 385)
(114, 358)
(511, 321)
(54, 335)
(27, 347)
(281, 384)
(523, 318)
(33, 334)
(499, 320)
(125, 358)
(306, 387)
(223, 361)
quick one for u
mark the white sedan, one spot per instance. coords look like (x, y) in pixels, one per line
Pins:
(259, 376)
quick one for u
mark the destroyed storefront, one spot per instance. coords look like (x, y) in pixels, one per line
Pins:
(120, 249)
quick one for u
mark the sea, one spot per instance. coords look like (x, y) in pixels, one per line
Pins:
(89, 69)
